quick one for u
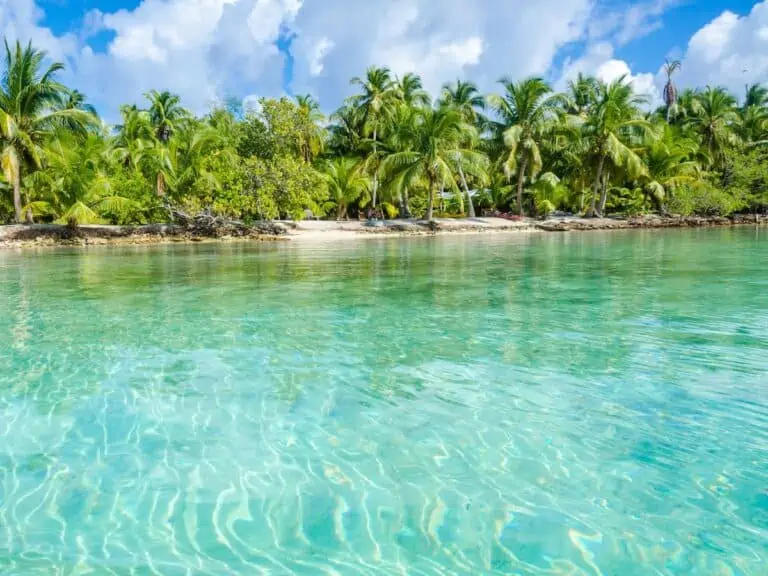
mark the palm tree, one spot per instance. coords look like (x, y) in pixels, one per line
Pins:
(313, 135)
(465, 98)
(399, 139)
(524, 111)
(608, 130)
(670, 90)
(411, 92)
(347, 183)
(345, 132)
(714, 117)
(756, 95)
(376, 103)
(670, 165)
(134, 135)
(76, 100)
(190, 154)
(753, 121)
(436, 137)
(30, 110)
(75, 185)
(581, 96)
(165, 113)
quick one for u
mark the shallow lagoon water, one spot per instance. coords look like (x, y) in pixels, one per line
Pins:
(573, 404)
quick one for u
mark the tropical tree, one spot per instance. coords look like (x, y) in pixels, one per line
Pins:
(75, 184)
(411, 92)
(608, 130)
(465, 98)
(30, 100)
(756, 95)
(313, 137)
(191, 154)
(525, 113)
(376, 103)
(670, 165)
(670, 90)
(581, 95)
(753, 115)
(76, 100)
(165, 113)
(134, 135)
(346, 131)
(347, 183)
(714, 118)
(436, 137)
(399, 138)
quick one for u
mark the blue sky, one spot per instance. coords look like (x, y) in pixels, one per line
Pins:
(207, 50)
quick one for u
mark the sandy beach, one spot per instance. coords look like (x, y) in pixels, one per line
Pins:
(325, 230)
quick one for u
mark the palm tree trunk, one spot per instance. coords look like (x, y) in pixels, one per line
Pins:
(442, 197)
(603, 194)
(160, 185)
(405, 211)
(17, 197)
(596, 189)
(466, 189)
(520, 181)
(431, 200)
(375, 175)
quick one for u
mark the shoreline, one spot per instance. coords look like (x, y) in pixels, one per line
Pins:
(43, 235)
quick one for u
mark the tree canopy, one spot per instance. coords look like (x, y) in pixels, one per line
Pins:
(390, 148)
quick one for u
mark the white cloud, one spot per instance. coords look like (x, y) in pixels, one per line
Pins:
(599, 60)
(317, 54)
(631, 22)
(642, 19)
(208, 49)
(478, 39)
(643, 84)
(20, 19)
(730, 51)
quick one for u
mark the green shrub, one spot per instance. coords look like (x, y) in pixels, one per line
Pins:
(704, 199)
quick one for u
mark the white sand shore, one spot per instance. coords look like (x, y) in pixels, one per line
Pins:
(311, 230)
(323, 230)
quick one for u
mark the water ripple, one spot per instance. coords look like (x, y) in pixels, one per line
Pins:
(462, 406)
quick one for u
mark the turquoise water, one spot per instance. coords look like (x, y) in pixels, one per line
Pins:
(531, 404)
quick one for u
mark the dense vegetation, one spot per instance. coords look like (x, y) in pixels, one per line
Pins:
(390, 148)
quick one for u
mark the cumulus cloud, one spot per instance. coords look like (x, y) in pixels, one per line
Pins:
(478, 39)
(631, 22)
(731, 51)
(317, 54)
(598, 60)
(206, 50)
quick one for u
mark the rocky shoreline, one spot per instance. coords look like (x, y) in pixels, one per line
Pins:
(581, 224)
(95, 235)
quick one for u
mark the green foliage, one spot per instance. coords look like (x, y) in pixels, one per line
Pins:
(705, 199)
(592, 149)
(347, 183)
(390, 210)
(628, 201)
(284, 186)
(747, 176)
